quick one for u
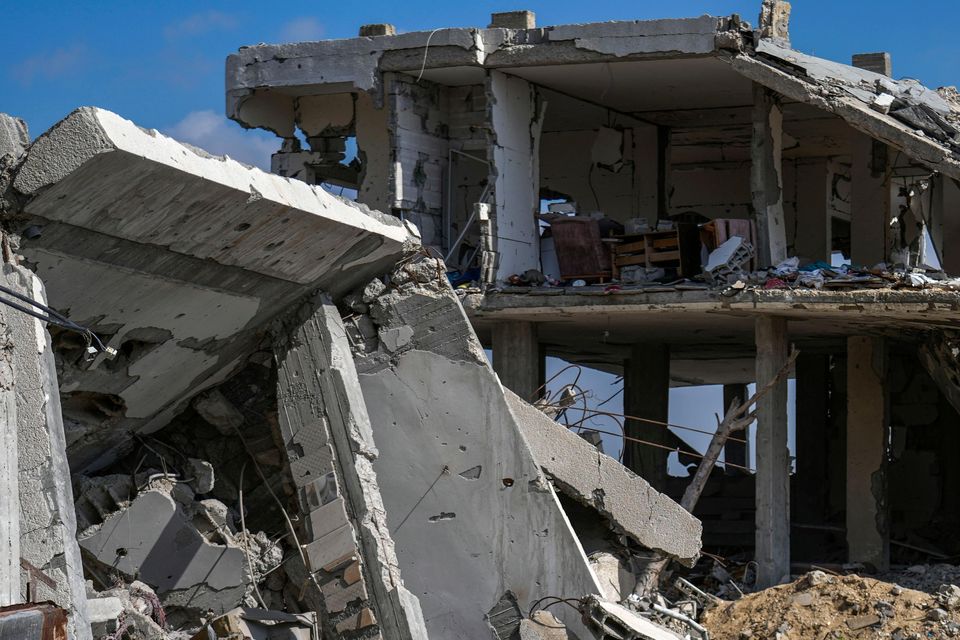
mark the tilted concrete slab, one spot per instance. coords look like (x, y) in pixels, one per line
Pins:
(850, 93)
(592, 478)
(178, 259)
(469, 510)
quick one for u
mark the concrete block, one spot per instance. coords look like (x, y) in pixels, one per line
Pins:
(513, 20)
(332, 550)
(326, 518)
(382, 29)
(336, 596)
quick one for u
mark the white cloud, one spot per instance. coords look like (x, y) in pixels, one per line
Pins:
(51, 64)
(301, 29)
(218, 135)
(199, 23)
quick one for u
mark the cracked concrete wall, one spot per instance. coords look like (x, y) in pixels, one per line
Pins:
(349, 553)
(419, 147)
(469, 510)
(598, 481)
(48, 523)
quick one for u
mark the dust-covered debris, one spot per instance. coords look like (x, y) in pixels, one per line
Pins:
(829, 607)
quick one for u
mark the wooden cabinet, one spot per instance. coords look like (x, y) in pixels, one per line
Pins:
(678, 249)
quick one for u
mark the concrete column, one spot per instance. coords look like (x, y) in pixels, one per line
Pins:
(766, 176)
(663, 173)
(813, 238)
(516, 357)
(812, 481)
(9, 470)
(773, 460)
(946, 228)
(646, 394)
(869, 201)
(867, 432)
(49, 543)
(735, 452)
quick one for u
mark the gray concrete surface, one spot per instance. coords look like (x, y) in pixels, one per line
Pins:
(470, 512)
(595, 479)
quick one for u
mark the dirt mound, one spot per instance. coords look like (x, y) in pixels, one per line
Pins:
(823, 607)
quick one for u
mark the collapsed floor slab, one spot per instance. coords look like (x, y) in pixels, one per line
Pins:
(597, 480)
(177, 259)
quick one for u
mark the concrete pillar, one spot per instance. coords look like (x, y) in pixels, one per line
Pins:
(867, 434)
(736, 452)
(766, 176)
(946, 228)
(813, 237)
(9, 478)
(773, 460)
(812, 481)
(516, 357)
(646, 394)
(49, 543)
(663, 172)
(869, 201)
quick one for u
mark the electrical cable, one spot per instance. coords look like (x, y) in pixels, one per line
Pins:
(52, 317)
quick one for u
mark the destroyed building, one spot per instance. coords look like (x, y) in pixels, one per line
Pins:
(239, 404)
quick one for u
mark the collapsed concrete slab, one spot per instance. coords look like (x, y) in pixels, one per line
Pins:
(472, 517)
(177, 259)
(186, 550)
(625, 499)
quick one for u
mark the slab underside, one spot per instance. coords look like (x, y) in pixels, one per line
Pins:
(711, 336)
(179, 260)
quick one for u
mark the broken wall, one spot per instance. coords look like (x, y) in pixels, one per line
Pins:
(419, 151)
(471, 514)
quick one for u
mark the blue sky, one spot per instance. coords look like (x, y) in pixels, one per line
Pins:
(161, 64)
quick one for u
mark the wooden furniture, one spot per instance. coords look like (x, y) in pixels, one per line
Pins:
(677, 249)
(580, 252)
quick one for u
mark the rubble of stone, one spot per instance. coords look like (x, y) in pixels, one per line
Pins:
(818, 605)
(255, 410)
(151, 527)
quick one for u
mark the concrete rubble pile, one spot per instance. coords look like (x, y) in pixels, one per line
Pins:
(239, 407)
(225, 406)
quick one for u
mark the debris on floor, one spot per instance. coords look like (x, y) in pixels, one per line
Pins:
(260, 624)
(822, 606)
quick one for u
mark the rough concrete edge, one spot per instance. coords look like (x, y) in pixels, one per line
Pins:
(61, 150)
(853, 112)
(352, 434)
(522, 411)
